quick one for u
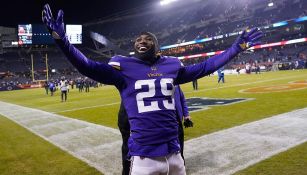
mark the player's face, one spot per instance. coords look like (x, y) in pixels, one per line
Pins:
(143, 43)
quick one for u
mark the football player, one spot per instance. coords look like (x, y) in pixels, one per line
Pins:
(146, 84)
(124, 127)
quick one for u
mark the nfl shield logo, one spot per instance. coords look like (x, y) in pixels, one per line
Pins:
(153, 68)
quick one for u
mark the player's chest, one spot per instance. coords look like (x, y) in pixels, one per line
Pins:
(146, 72)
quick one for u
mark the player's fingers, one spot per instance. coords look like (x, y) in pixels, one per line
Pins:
(257, 37)
(48, 11)
(46, 14)
(256, 34)
(243, 34)
(251, 44)
(60, 16)
(44, 18)
(252, 32)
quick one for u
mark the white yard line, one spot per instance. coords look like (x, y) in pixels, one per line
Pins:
(188, 92)
(96, 145)
(75, 109)
(228, 151)
(219, 153)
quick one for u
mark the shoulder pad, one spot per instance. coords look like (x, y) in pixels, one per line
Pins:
(115, 62)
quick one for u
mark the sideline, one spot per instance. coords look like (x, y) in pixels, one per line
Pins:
(220, 153)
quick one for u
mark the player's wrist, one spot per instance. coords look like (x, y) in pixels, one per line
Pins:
(239, 45)
(187, 117)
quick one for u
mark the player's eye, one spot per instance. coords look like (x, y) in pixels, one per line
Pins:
(149, 39)
(138, 40)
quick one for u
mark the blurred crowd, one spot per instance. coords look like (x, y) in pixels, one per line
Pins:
(196, 21)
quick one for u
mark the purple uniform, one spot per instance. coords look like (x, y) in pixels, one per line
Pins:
(147, 92)
(149, 102)
(180, 103)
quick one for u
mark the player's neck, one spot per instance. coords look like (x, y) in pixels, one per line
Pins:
(149, 57)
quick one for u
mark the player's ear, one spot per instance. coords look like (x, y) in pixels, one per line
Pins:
(159, 54)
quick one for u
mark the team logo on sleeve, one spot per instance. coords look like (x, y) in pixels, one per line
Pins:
(198, 104)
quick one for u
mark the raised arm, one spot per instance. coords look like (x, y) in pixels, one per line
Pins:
(100, 72)
(246, 40)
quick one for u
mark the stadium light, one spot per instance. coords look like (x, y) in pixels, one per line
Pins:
(165, 2)
(270, 4)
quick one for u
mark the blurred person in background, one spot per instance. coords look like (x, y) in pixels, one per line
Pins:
(221, 75)
(46, 86)
(51, 87)
(64, 88)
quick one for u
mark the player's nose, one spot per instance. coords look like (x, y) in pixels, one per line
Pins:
(143, 40)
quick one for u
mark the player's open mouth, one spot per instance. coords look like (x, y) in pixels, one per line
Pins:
(142, 49)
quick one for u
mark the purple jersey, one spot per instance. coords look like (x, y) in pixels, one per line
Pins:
(147, 93)
(148, 98)
(180, 104)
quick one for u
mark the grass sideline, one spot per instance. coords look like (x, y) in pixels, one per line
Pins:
(285, 163)
(207, 121)
(22, 152)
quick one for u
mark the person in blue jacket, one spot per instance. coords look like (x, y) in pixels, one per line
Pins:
(221, 75)
(51, 88)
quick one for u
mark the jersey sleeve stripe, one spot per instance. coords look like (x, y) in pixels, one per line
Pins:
(114, 64)
(116, 67)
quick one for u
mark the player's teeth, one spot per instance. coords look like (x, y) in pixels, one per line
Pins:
(143, 48)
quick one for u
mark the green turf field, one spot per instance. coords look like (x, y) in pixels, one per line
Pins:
(100, 106)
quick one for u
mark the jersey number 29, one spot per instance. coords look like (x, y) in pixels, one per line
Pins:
(152, 92)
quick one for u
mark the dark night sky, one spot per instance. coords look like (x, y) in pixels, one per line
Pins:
(13, 12)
